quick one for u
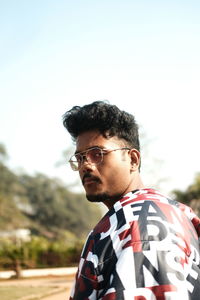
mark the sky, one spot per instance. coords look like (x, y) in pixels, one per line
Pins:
(142, 56)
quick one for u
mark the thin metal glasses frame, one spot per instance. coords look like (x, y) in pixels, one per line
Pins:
(77, 160)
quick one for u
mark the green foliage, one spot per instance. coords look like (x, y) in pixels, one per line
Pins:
(38, 252)
(9, 189)
(191, 196)
(44, 205)
(3, 153)
(54, 207)
(14, 254)
(58, 220)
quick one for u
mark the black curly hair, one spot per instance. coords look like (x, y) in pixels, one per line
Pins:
(102, 116)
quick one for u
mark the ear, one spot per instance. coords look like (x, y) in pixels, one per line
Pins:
(135, 159)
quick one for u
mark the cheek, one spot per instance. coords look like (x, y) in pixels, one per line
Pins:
(116, 177)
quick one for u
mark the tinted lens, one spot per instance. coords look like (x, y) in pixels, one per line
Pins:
(75, 162)
(94, 155)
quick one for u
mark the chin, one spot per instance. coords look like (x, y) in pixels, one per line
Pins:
(102, 197)
(98, 197)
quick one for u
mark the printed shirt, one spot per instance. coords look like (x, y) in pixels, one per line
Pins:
(145, 248)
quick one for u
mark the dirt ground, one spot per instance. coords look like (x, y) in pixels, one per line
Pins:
(64, 295)
(58, 296)
(59, 287)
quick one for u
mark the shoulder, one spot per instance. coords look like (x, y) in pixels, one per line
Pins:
(147, 202)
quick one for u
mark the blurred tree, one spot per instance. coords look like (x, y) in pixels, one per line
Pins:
(9, 189)
(38, 252)
(50, 210)
(54, 207)
(191, 196)
(13, 250)
(42, 204)
(3, 153)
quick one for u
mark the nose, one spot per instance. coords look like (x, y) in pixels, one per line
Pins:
(87, 165)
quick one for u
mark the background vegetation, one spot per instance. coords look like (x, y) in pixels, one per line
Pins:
(58, 219)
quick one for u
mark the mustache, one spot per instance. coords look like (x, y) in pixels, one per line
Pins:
(88, 175)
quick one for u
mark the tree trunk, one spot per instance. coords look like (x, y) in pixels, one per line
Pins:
(17, 268)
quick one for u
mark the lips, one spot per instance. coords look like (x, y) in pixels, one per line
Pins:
(89, 181)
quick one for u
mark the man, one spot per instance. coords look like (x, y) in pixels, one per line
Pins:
(146, 246)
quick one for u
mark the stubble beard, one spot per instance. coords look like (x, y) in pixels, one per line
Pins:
(103, 197)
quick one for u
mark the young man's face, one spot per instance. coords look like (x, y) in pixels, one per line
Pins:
(111, 178)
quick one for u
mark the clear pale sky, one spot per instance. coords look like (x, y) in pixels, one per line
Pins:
(143, 56)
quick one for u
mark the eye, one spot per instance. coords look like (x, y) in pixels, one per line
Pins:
(95, 154)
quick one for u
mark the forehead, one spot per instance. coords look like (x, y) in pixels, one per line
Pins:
(94, 138)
